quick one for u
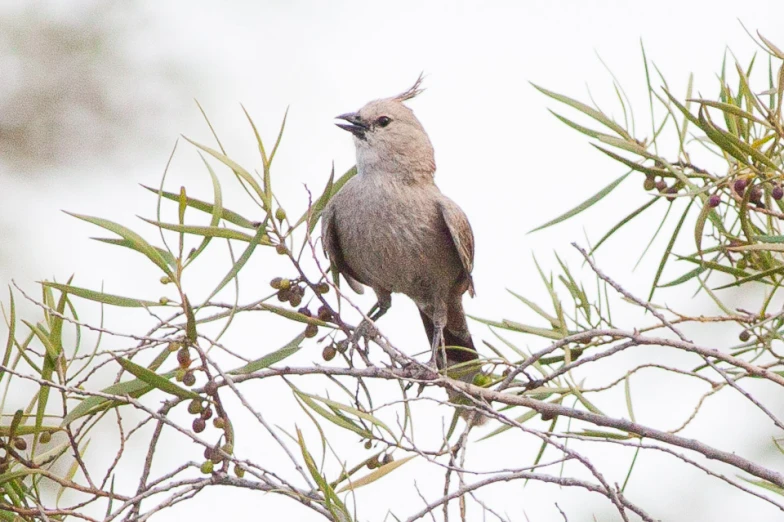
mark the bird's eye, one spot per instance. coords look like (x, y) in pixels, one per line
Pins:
(383, 121)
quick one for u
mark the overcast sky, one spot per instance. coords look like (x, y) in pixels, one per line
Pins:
(500, 154)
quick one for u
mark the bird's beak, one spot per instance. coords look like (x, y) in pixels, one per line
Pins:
(355, 124)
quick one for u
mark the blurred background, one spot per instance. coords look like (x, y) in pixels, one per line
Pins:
(94, 95)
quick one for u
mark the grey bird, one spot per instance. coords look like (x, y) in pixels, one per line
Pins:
(391, 228)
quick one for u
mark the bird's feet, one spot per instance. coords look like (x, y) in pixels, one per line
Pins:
(364, 332)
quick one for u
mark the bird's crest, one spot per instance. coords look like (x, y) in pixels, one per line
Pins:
(412, 91)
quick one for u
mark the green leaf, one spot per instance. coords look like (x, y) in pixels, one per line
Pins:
(375, 474)
(209, 208)
(585, 109)
(291, 348)
(337, 420)
(216, 210)
(519, 327)
(240, 262)
(766, 485)
(158, 382)
(584, 205)
(241, 173)
(293, 315)
(165, 254)
(190, 322)
(135, 241)
(755, 277)
(208, 232)
(11, 332)
(101, 297)
(688, 276)
(331, 500)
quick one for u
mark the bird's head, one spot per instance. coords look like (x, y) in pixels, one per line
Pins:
(388, 136)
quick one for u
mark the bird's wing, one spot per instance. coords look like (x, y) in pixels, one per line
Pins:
(462, 236)
(329, 237)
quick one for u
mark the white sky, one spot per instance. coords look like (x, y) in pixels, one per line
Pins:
(500, 154)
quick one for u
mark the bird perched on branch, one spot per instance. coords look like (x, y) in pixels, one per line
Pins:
(391, 228)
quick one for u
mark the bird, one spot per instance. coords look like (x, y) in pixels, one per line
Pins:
(390, 228)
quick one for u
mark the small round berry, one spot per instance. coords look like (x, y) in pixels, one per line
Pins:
(228, 448)
(195, 407)
(199, 425)
(324, 313)
(189, 379)
(211, 388)
(649, 183)
(164, 300)
(276, 283)
(165, 280)
(373, 464)
(329, 353)
(45, 437)
(388, 458)
(239, 471)
(322, 288)
(180, 374)
(281, 249)
(280, 214)
(284, 284)
(219, 422)
(368, 445)
(305, 311)
(744, 336)
(714, 201)
(207, 413)
(295, 299)
(283, 295)
(20, 444)
(184, 357)
(777, 193)
(311, 330)
(661, 185)
(740, 185)
(207, 467)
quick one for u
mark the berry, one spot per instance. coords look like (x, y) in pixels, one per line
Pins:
(164, 300)
(45, 438)
(661, 185)
(744, 336)
(199, 425)
(207, 467)
(281, 249)
(323, 313)
(207, 413)
(388, 458)
(20, 444)
(368, 445)
(211, 388)
(189, 379)
(777, 193)
(283, 295)
(649, 183)
(329, 353)
(740, 185)
(311, 330)
(276, 283)
(195, 407)
(322, 288)
(295, 299)
(280, 214)
(239, 471)
(184, 357)
(305, 311)
(714, 201)
(219, 422)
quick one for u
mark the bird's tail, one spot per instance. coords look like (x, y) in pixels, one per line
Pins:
(460, 353)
